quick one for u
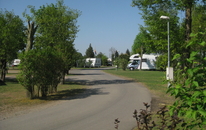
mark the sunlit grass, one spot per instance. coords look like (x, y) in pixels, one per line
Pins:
(12, 95)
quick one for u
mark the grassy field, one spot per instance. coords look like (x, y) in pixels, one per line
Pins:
(13, 96)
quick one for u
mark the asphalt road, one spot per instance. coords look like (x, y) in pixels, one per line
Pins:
(107, 98)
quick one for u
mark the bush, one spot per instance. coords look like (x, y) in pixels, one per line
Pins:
(161, 62)
(41, 69)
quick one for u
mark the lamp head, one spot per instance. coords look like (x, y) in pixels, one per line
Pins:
(164, 17)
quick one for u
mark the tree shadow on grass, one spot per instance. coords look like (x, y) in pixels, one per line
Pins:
(10, 80)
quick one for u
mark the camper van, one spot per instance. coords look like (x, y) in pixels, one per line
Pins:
(148, 61)
(16, 62)
(93, 62)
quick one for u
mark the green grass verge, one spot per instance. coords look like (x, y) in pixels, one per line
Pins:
(13, 95)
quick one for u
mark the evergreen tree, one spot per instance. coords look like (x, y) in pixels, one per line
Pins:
(116, 54)
(90, 52)
(128, 52)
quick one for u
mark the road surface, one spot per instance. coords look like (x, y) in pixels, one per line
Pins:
(108, 97)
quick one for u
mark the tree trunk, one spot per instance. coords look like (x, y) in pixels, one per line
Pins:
(188, 24)
(30, 35)
(62, 80)
(3, 70)
(141, 54)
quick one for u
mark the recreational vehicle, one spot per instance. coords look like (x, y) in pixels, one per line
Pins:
(93, 62)
(148, 61)
(16, 62)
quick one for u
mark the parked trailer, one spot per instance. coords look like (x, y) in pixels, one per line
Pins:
(93, 62)
(16, 62)
(148, 61)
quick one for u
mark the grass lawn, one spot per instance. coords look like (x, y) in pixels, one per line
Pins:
(13, 95)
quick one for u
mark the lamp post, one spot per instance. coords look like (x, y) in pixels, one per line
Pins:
(169, 74)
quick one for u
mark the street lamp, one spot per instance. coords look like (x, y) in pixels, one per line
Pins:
(169, 74)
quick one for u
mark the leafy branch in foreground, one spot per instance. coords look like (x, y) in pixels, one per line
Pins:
(147, 121)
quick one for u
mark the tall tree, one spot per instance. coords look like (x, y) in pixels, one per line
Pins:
(167, 7)
(54, 39)
(116, 55)
(103, 58)
(157, 28)
(11, 39)
(90, 52)
(127, 52)
(112, 53)
(30, 32)
(140, 44)
(57, 29)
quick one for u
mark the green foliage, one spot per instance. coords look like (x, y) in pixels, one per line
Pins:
(127, 52)
(53, 53)
(161, 62)
(140, 44)
(11, 39)
(122, 61)
(90, 52)
(156, 28)
(103, 58)
(189, 89)
(57, 30)
(40, 68)
(117, 62)
(116, 54)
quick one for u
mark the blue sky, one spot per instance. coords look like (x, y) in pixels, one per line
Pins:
(103, 23)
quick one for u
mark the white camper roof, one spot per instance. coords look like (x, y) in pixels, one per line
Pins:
(136, 56)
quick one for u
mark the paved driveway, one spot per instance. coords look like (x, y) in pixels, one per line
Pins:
(107, 98)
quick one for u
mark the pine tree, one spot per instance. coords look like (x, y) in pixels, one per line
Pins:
(90, 52)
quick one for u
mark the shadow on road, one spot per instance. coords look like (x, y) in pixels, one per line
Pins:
(97, 82)
(75, 94)
(83, 74)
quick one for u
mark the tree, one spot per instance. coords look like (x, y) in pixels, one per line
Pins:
(103, 58)
(116, 55)
(124, 58)
(112, 51)
(30, 32)
(140, 44)
(90, 52)
(188, 86)
(198, 28)
(148, 7)
(53, 48)
(57, 29)
(41, 69)
(79, 59)
(128, 52)
(157, 28)
(11, 39)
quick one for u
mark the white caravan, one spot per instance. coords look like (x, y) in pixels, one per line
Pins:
(93, 62)
(16, 62)
(148, 61)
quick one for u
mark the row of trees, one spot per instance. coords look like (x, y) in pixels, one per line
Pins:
(152, 37)
(187, 45)
(49, 51)
(115, 56)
